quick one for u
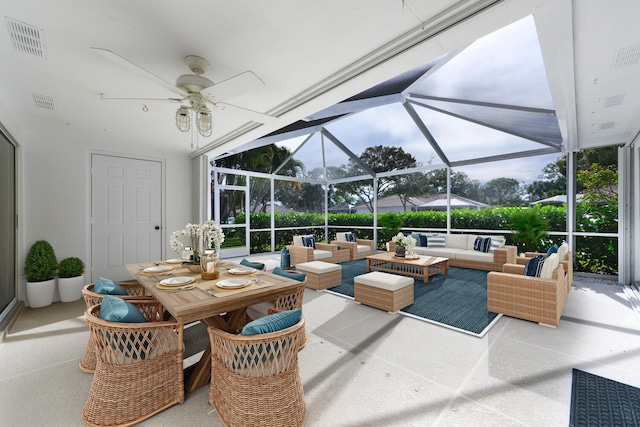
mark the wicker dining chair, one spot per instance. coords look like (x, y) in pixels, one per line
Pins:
(255, 379)
(139, 367)
(91, 298)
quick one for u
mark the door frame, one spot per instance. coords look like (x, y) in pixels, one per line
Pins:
(163, 186)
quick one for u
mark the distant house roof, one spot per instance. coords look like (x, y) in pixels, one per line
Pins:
(394, 201)
(439, 202)
(559, 199)
(277, 208)
(342, 207)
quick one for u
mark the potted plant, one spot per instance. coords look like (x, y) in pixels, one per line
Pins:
(70, 279)
(529, 229)
(40, 271)
(391, 224)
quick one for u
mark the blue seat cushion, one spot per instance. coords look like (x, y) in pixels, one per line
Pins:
(108, 287)
(295, 276)
(256, 265)
(116, 309)
(272, 323)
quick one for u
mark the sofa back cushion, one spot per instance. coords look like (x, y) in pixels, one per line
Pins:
(550, 265)
(458, 241)
(297, 241)
(563, 250)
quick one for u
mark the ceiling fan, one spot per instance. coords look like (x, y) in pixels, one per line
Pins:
(198, 91)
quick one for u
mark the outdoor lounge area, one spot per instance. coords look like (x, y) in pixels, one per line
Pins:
(365, 367)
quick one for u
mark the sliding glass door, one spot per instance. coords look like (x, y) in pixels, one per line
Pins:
(7, 223)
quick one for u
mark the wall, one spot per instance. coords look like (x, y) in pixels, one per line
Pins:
(55, 174)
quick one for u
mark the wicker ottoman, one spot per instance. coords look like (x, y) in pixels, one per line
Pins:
(321, 275)
(385, 291)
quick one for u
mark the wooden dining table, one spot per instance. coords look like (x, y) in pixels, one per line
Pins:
(222, 308)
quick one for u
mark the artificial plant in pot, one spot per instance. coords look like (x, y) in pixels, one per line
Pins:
(391, 224)
(70, 279)
(530, 229)
(40, 271)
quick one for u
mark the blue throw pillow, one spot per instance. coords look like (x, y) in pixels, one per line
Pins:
(309, 241)
(295, 276)
(552, 250)
(350, 237)
(256, 265)
(116, 309)
(273, 323)
(482, 244)
(108, 287)
(534, 266)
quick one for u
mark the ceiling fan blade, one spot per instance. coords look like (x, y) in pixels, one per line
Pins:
(254, 116)
(103, 97)
(233, 86)
(114, 57)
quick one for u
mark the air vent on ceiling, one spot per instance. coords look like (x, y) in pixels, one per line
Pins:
(26, 38)
(607, 125)
(627, 56)
(612, 101)
(43, 101)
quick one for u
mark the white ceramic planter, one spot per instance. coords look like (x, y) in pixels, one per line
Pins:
(40, 294)
(70, 288)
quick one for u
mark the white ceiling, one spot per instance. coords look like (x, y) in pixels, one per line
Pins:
(310, 54)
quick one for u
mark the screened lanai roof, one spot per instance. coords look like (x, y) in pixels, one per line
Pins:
(489, 101)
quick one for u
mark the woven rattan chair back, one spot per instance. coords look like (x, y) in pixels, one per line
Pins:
(91, 298)
(255, 379)
(291, 301)
(139, 367)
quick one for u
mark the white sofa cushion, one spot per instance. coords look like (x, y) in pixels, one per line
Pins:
(549, 266)
(363, 248)
(471, 255)
(320, 254)
(458, 241)
(318, 267)
(389, 282)
(438, 252)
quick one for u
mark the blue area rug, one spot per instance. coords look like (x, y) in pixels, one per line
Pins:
(598, 401)
(457, 300)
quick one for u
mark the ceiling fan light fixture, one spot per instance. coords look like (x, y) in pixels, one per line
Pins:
(204, 121)
(183, 119)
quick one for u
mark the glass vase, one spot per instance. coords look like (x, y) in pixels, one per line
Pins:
(209, 262)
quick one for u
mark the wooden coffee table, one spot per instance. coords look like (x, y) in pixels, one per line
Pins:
(423, 267)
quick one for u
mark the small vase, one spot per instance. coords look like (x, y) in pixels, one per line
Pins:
(209, 265)
(400, 251)
(194, 268)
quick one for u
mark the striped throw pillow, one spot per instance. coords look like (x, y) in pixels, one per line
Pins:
(436, 241)
(482, 244)
(497, 242)
(533, 267)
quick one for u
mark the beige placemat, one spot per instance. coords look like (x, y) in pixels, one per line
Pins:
(210, 285)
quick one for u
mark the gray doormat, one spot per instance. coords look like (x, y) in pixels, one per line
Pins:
(598, 401)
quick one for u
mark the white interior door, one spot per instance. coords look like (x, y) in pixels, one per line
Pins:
(126, 214)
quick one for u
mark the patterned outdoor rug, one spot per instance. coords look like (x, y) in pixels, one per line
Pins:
(456, 301)
(598, 401)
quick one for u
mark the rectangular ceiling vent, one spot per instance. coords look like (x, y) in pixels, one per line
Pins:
(612, 101)
(26, 38)
(626, 57)
(607, 125)
(44, 101)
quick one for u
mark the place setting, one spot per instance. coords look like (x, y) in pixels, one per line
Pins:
(180, 283)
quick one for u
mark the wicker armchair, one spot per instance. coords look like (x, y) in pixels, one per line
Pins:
(525, 297)
(323, 252)
(566, 259)
(139, 367)
(91, 298)
(359, 249)
(255, 379)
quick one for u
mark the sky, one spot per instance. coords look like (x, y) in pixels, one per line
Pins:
(505, 67)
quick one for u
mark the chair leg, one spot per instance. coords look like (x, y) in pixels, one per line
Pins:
(88, 361)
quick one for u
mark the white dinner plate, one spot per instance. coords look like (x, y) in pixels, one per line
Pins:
(158, 269)
(242, 271)
(233, 283)
(177, 281)
(174, 261)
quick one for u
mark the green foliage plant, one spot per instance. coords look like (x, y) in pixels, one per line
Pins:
(41, 263)
(530, 228)
(71, 267)
(391, 224)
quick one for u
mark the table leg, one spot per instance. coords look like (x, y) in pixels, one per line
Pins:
(201, 374)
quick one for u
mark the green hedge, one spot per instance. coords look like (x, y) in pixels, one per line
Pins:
(594, 254)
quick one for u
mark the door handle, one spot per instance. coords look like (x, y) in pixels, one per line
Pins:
(157, 227)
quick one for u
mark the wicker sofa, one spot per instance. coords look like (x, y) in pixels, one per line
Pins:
(459, 249)
(538, 299)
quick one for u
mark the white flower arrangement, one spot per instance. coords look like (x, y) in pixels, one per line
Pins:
(210, 231)
(406, 242)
